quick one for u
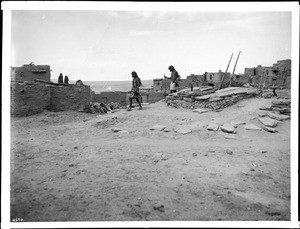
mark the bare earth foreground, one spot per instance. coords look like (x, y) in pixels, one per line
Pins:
(71, 166)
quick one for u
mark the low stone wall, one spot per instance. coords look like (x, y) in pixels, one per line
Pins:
(69, 97)
(110, 96)
(29, 98)
(214, 100)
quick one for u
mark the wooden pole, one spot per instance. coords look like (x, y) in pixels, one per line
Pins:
(229, 63)
(225, 72)
(234, 67)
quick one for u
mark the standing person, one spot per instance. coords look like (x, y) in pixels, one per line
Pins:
(60, 78)
(66, 81)
(135, 91)
(175, 77)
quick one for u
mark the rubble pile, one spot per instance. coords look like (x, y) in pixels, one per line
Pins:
(101, 108)
(208, 97)
(281, 106)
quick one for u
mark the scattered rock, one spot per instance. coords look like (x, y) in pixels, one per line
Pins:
(267, 95)
(184, 131)
(228, 152)
(230, 136)
(264, 151)
(262, 113)
(168, 129)
(228, 128)
(194, 154)
(201, 110)
(237, 123)
(268, 121)
(269, 129)
(157, 127)
(212, 126)
(252, 127)
(252, 169)
(278, 117)
(160, 208)
(116, 129)
(266, 108)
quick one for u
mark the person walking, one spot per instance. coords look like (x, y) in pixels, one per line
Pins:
(135, 91)
(175, 77)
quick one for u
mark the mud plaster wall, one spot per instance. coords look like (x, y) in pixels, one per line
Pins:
(111, 96)
(28, 99)
(70, 97)
(31, 72)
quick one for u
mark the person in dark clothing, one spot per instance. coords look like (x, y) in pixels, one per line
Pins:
(60, 78)
(135, 91)
(175, 77)
(66, 81)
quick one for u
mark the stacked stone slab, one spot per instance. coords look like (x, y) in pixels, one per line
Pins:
(209, 98)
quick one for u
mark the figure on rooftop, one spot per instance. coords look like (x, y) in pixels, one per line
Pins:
(60, 78)
(135, 93)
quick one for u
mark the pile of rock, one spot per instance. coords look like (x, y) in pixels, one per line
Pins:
(101, 108)
(280, 106)
(207, 97)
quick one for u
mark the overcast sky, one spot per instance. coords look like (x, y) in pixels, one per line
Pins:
(108, 45)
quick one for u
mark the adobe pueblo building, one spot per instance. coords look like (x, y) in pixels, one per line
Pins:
(32, 92)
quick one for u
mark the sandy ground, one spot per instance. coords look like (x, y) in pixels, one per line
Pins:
(71, 166)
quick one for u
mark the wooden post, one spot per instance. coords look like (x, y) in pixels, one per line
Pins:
(234, 68)
(225, 72)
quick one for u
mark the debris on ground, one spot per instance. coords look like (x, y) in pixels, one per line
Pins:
(228, 128)
(101, 108)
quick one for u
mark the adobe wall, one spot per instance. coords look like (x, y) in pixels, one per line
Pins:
(69, 97)
(31, 72)
(110, 96)
(29, 98)
(157, 85)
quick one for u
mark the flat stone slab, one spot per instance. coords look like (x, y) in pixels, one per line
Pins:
(279, 117)
(266, 108)
(252, 127)
(212, 126)
(201, 110)
(168, 129)
(183, 131)
(262, 113)
(230, 136)
(268, 121)
(235, 91)
(116, 129)
(157, 127)
(238, 123)
(228, 128)
(214, 99)
(269, 129)
(203, 97)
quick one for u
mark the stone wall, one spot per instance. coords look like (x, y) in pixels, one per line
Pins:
(69, 97)
(209, 99)
(110, 96)
(31, 72)
(29, 98)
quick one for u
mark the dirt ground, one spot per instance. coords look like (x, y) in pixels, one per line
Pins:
(71, 166)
